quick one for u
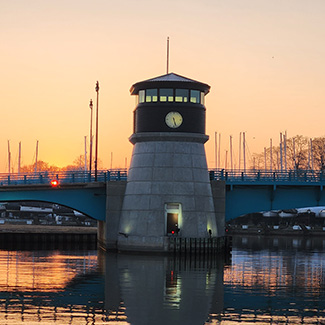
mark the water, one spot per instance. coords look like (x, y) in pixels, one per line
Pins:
(267, 280)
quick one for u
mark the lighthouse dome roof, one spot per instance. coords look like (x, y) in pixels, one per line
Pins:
(169, 80)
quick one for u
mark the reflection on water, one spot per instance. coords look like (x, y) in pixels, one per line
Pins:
(42, 272)
(279, 280)
(269, 280)
(162, 290)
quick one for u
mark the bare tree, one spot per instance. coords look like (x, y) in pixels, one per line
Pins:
(296, 155)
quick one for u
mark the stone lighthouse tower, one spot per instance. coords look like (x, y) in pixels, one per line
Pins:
(168, 192)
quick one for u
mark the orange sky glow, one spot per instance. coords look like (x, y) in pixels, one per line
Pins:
(264, 61)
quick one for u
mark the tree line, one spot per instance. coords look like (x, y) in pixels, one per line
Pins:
(296, 153)
(41, 166)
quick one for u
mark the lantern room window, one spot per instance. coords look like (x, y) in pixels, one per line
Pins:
(151, 95)
(181, 95)
(195, 96)
(166, 95)
(141, 96)
(202, 97)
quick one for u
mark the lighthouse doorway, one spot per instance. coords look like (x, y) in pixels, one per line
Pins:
(173, 213)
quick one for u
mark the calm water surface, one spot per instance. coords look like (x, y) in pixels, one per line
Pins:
(267, 280)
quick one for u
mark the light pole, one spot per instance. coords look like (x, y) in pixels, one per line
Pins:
(91, 135)
(96, 149)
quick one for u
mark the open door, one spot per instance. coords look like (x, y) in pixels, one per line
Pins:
(173, 216)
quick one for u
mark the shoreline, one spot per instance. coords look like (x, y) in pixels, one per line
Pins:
(46, 229)
(278, 232)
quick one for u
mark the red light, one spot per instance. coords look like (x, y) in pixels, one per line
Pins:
(173, 232)
(54, 183)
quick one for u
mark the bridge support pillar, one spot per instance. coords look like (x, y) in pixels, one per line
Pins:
(107, 232)
(219, 199)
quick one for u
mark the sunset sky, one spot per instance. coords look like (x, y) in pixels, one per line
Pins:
(264, 61)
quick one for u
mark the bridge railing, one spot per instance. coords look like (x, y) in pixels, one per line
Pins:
(253, 175)
(78, 176)
(63, 177)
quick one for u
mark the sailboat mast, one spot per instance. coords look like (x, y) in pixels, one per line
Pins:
(226, 160)
(311, 154)
(9, 158)
(294, 152)
(91, 135)
(219, 147)
(36, 156)
(85, 153)
(231, 161)
(216, 149)
(281, 162)
(239, 153)
(244, 150)
(19, 158)
(271, 158)
(285, 151)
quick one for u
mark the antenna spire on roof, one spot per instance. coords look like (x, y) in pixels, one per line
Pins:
(167, 55)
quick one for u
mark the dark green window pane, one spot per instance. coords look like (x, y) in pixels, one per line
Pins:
(166, 95)
(151, 95)
(195, 96)
(181, 95)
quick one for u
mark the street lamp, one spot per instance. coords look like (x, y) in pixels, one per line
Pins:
(96, 149)
(91, 135)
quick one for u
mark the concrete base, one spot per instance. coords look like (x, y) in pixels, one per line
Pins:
(166, 168)
(219, 199)
(107, 231)
(143, 243)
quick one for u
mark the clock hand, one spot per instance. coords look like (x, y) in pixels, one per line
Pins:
(174, 121)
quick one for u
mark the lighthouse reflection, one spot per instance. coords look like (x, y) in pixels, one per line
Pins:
(161, 289)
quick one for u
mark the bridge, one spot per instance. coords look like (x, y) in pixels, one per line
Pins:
(246, 191)
(74, 189)
(263, 190)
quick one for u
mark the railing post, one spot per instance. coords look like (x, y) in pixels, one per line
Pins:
(41, 178)
(258, 175)
(118, 175)
(108, 175)
(242, 176)
(25, 179)
(73, 178)
(226, 176)
(8, 179)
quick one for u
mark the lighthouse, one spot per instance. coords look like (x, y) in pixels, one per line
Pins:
(168, 191)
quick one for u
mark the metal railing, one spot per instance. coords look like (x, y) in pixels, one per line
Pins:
(63, 177)
(253, 175)
(238, 176)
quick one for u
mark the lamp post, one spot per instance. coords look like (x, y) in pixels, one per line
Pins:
(96, 149)
(91, 135)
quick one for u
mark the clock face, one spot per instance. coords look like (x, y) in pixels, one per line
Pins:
(173, 119)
